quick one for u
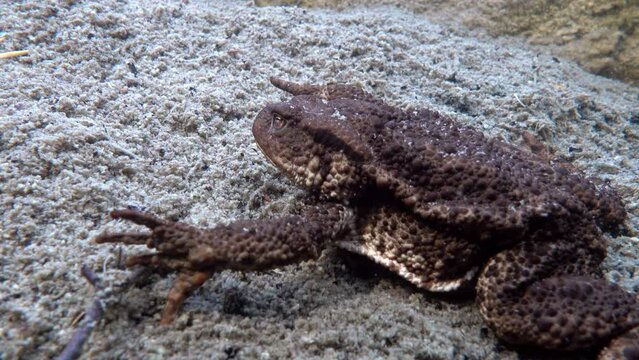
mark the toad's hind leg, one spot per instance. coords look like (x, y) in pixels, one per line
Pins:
(542, 294)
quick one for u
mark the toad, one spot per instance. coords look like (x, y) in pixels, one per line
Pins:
(436, 202)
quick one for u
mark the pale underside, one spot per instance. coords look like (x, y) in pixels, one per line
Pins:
(364, 248)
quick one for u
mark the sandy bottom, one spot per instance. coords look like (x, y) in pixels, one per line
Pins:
(150, 103)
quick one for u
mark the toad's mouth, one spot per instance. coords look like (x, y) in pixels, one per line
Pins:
(266, 154)
(300, 175)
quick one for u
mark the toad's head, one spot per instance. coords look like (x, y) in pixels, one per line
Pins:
(311, 138)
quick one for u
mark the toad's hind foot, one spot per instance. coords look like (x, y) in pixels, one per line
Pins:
(327, 92)
(527, 303)
(624, 347)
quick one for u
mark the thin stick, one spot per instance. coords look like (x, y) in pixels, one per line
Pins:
(12, 54)
(91, 277)
(94, 313)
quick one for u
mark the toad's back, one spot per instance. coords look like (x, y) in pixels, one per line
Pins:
(445, 170)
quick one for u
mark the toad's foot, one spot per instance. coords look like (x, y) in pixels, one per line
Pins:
(541, 294)
(327, 92)
(625, 346)
(195, 254)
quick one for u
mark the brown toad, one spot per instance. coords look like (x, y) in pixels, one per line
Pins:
(434, 201)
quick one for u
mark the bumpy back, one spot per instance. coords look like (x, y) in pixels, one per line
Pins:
(449, 172)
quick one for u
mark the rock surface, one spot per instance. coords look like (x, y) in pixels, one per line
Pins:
(600, 35)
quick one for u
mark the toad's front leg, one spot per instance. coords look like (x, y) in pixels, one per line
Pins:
(243, 245)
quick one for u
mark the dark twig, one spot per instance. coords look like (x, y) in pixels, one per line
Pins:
(91, 277)
(94, 313)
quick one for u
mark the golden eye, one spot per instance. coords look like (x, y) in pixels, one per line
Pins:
(278, 122)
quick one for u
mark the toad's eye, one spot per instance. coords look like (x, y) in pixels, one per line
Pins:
(278, 122)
